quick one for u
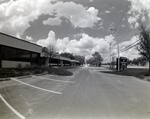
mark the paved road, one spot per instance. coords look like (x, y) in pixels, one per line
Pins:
(88, 94)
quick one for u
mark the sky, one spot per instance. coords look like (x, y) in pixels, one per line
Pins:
(80, 27)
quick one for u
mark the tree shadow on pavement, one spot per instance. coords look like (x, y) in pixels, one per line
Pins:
(137, 72)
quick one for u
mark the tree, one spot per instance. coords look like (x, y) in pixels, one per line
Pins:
(90, 61)
(45, 52)
(144, 37)
(80, 58)
(139, 61)
(68, 55)
(95, 60)
(52, 52)
(135, 62)
(49, 53)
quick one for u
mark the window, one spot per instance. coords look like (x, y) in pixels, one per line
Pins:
(14, 54)
(35, 58)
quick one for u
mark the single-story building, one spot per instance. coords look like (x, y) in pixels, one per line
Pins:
(53, 61)
(14, 51)
(75, 62)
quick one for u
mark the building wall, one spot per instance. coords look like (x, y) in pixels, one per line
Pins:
(13, 64)
(0, 56)
(18, 43)
(30, 50)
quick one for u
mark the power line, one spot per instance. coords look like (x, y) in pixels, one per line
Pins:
(130, 45)
(122, 17)
(121, 31)
(127, 24)
(127, 34)
(133, 44)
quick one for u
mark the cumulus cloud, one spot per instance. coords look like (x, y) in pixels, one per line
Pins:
(101, 27)
(2, 0)
(29, 38)
(86, 45)
(91, 0)
(107, 11)
(109, 38)
(123, 26)
(136, 11)
(61, 44)
(131, 53)
(52, 21)
(112, 8)
(50, 40)
(16, 15)
(78, 15)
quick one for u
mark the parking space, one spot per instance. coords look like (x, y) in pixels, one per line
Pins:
(21, 96)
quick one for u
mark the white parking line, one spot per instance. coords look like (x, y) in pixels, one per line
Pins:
(36, 86)
(10, 107)
(54, 80)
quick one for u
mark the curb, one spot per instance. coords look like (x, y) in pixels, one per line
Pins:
(147, 78)
(22, 77)
(41, 74)
(5, 79)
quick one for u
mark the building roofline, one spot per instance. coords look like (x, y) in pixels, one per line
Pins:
(19, 39)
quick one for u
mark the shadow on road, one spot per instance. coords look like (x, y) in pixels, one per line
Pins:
(137, 72)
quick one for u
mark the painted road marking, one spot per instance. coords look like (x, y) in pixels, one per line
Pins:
(36, 87)
(10, 107)
(54, 80)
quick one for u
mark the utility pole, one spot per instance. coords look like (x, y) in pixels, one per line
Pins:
(110, 53)
(117, 51)
(118, 57)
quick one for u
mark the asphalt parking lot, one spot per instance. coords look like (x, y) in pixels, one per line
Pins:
(88, 94)
(15, 92)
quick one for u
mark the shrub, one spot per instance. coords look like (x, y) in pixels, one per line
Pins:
(20, 74)
(7, 73)
(35, 66)
(42, 67)
(19, 66)
(27, 66)
(37, 72)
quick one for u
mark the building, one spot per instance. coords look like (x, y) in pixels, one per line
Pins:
(56, 60)
(14, 51)
(75, 62)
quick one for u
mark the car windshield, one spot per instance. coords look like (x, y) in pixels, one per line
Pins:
(74, 59)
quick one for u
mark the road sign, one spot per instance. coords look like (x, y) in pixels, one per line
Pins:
(122, 63)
